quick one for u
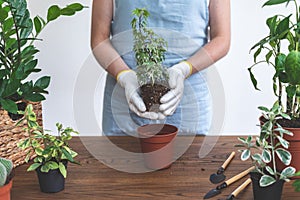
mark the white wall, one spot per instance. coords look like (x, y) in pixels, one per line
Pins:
(65, 51)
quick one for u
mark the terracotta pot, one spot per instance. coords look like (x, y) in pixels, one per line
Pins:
(294, 148)
(5, 191)
(273, 191)
(157, 144)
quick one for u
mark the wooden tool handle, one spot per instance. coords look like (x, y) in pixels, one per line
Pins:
(239, 176)
(241, 187)
(225, 164)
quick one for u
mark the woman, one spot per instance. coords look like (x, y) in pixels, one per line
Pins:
(184, 24)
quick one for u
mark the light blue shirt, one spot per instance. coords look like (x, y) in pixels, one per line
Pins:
(184, 24)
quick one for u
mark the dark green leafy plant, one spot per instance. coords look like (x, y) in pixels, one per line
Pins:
(18, 32)
(51, 151)
(280, 49)
(269, 145)
(149, 50)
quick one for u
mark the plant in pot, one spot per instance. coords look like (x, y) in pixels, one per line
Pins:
(149, 48)
(280, 49)
(18, 32)
(52, 152)
(6, 175)
(267, 179)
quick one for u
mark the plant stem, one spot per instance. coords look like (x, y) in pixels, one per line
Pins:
(273, 149)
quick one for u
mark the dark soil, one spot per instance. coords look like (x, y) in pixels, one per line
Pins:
(289, 123)
(295, 123)
(151, 95)
(21, 106)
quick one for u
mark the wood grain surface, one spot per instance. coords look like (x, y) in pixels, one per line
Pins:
(187, 178)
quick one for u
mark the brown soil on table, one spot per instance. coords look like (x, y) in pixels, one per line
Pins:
(289, 123)
(151, 95)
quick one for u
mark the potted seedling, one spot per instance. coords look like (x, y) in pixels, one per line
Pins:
(19, 32)
(267, 179)
(52, 152)
(280, 49)
(149, 48)
(6, 167)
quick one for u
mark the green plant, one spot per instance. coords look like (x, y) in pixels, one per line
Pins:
(149, 50)
(269, 145)
(18, 32)
(6, 167)
(280, 49)
(51, 151)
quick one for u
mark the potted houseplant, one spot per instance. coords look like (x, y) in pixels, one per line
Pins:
(267, 179)
(6, 167)
(280, 49)
(149, 48)
(18, 32)
(52, 152)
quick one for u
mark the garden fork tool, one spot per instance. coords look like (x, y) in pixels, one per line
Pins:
(219, 176)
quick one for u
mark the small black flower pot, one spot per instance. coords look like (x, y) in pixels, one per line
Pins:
(273, 191)
(52, 181)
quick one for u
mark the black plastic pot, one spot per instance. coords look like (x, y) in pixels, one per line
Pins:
(273, 191)
(52, 181)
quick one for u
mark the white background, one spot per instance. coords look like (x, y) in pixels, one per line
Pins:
(66, 49)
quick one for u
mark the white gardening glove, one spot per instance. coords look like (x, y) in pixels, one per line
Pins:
(128, 80)
(177, 74)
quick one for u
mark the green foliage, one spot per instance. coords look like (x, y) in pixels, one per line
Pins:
(18, 32)
(280, 50)
(6, 167)
(149, 50)
(51, 151)
(269, 145)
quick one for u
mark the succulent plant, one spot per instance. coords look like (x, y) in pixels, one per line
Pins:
(6, 167)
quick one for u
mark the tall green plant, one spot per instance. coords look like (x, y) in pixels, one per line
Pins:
(18, 32)
(149, 50)
(285, 61)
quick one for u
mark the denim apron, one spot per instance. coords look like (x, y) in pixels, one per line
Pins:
(183, 23)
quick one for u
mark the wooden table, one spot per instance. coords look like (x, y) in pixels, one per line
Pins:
(188, 177)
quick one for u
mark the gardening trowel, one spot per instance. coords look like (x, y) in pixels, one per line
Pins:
(239, 189)
(219, 176)
(218, 189)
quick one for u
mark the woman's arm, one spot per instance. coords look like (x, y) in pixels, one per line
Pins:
(218, 46)
(104, 52)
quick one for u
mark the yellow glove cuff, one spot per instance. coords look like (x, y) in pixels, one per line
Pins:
(191, 67)
(121, 72)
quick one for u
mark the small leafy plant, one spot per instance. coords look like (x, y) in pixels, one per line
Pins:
(280, 50)
(269, 146)
(18, 32)
(149, 49)
(6, 167)
(51, 151)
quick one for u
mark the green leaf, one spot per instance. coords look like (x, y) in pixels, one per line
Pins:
(270, 170)
(245, 154)
(9, 105)
(34, 166)
(37, 24)
(262, 108)
(3, 14)
(287, 172)
(67, 11)
(274, 2)
(283, 26)
(52, 165)
(35, 97)
(68, 155)
(292, 67)
(42, 82)
(253, 79)
(296, 185)
(45, 168)
(62, 169)
(266, 180)
(75, 6)
(283, 142)
(266, 156)
(284, 156)
(53, 13)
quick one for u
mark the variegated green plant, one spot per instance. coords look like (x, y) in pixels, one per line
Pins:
(51, 150)
(149, 49)
(280, 50)
(264, 149)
